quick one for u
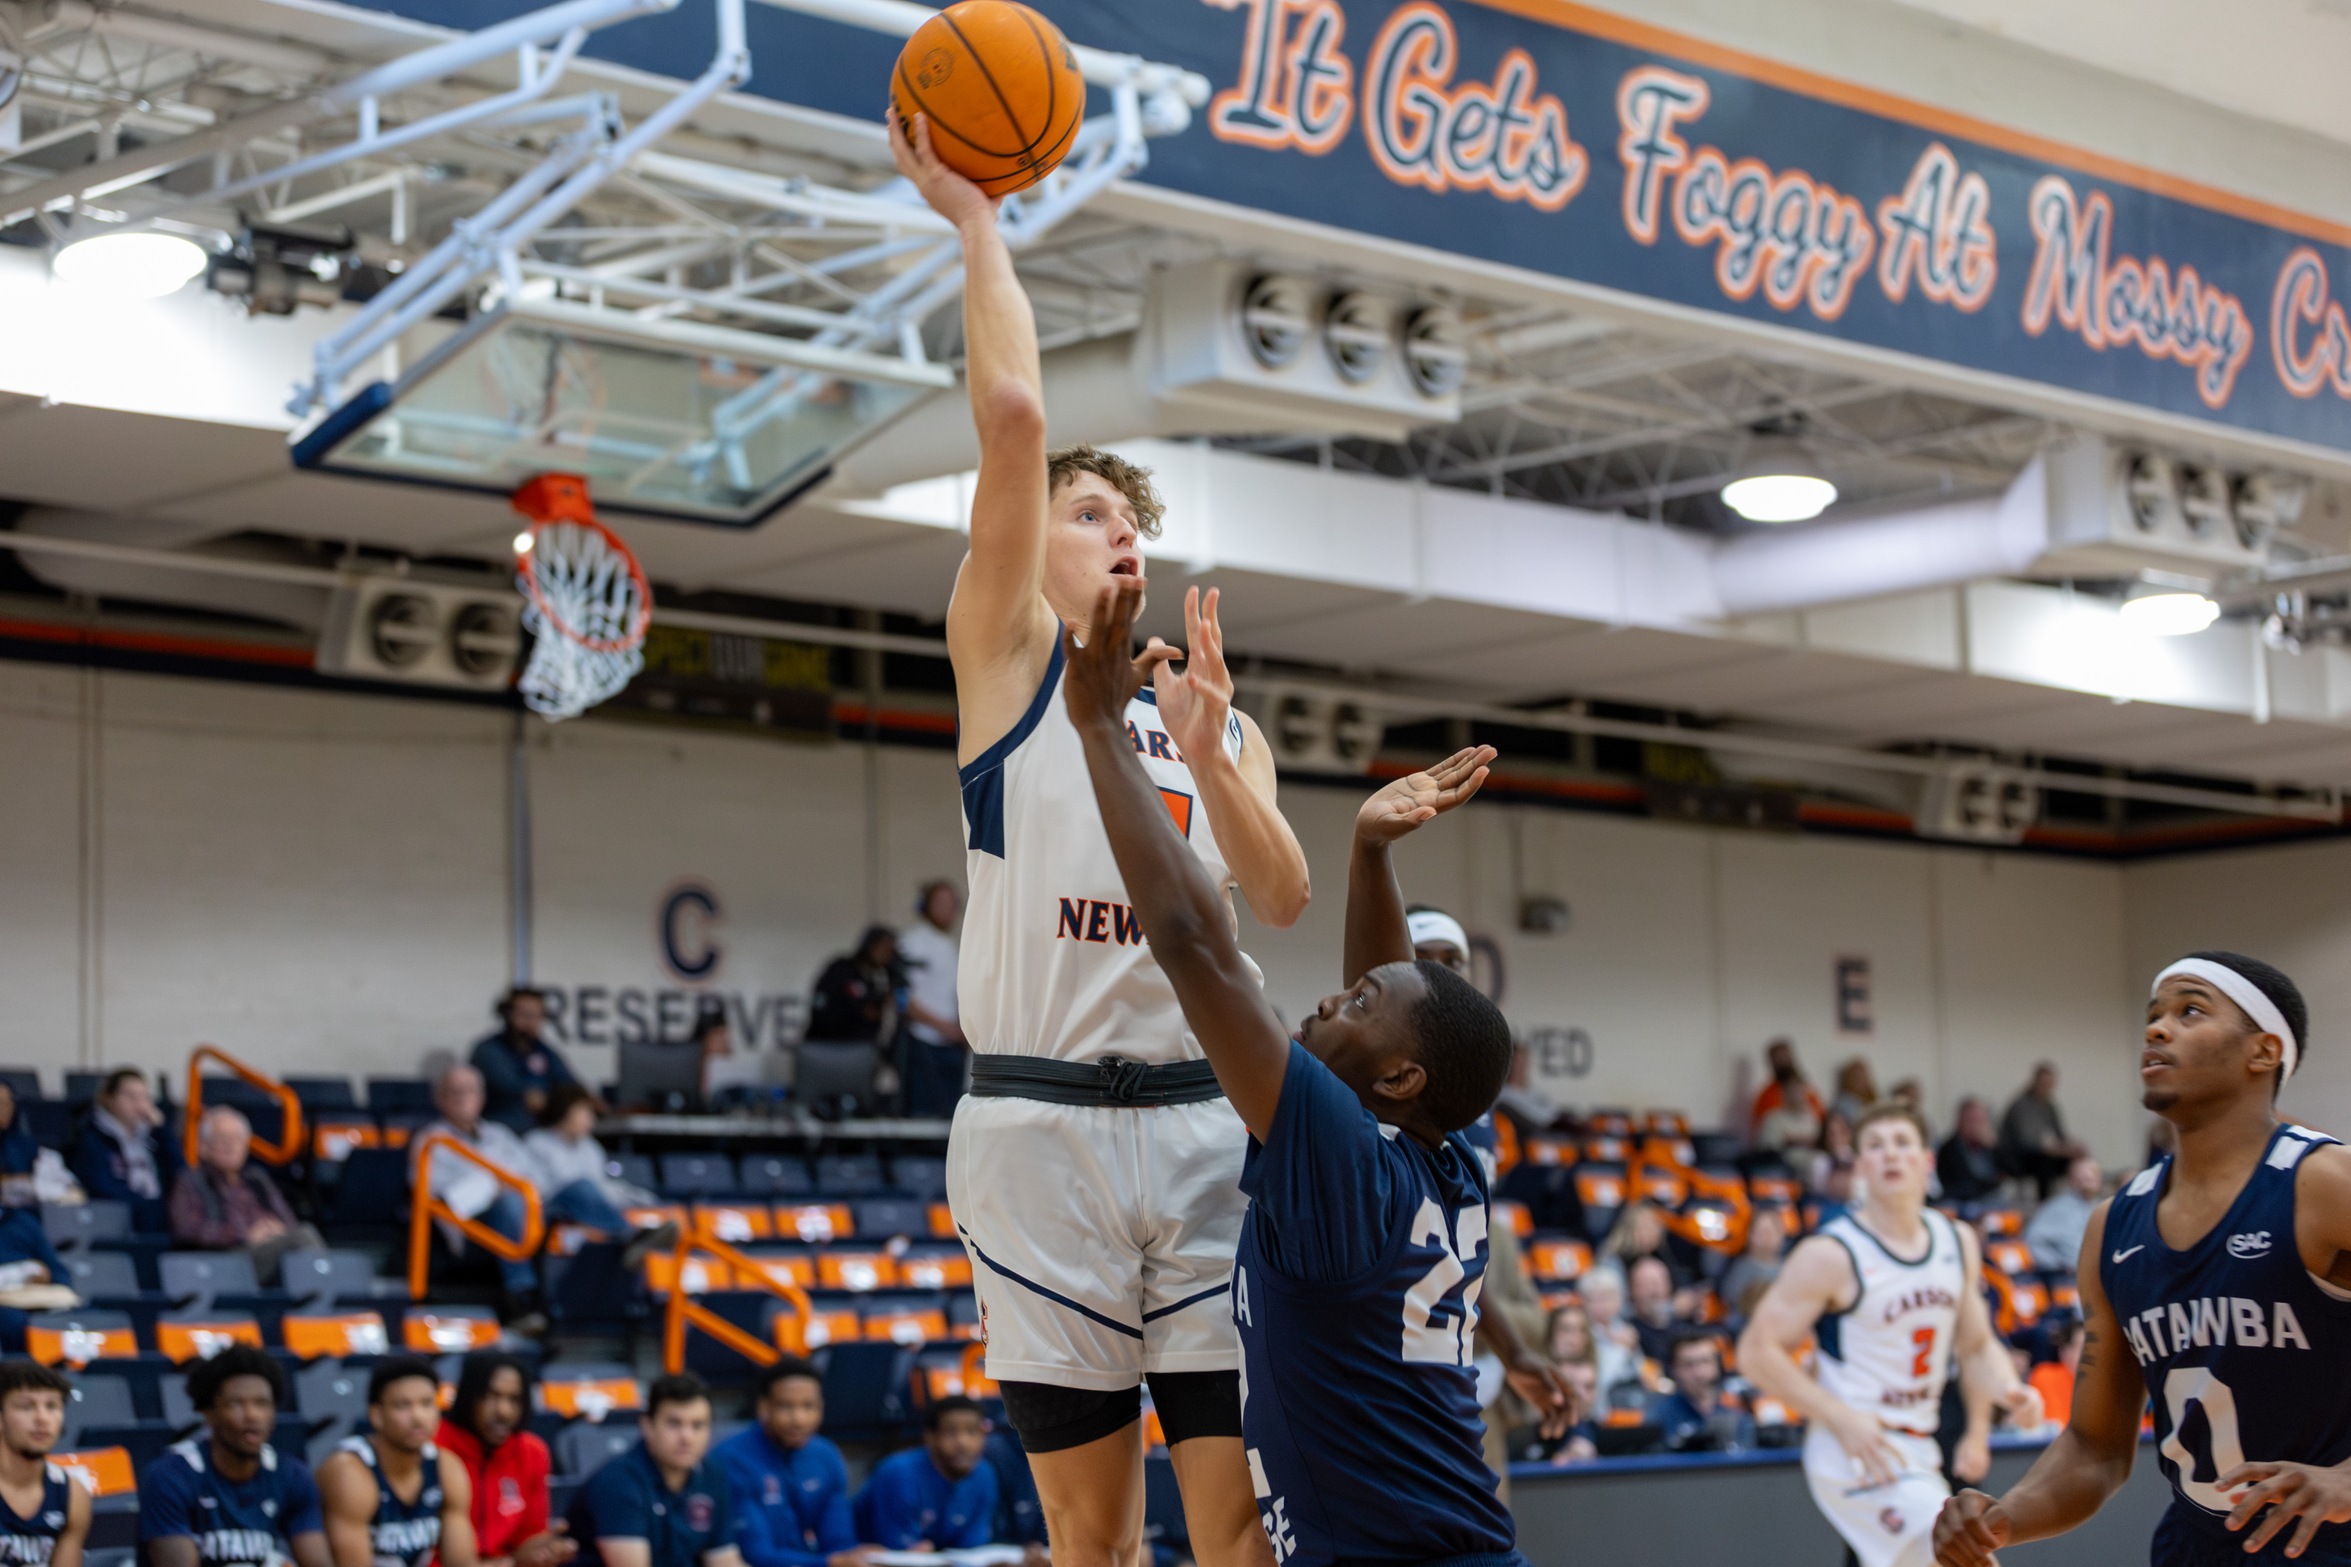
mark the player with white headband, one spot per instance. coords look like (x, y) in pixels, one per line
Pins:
(2217, 1284)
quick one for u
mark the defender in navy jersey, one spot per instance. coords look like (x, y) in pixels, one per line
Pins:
(393, 1498)
(225, 1497)
(44, 1516)
(2218, 1285)
(1364, 1246)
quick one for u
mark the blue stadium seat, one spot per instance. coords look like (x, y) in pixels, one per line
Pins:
(590, 1292)
(323, 1093)
(880, 1218)
(920, 1176)
(374, 1190)
(866, 1390)
(697, 1175)
(49, 1120)
(776, 1175)
(399, 1093)
(334, 1394)
(82, 1087)
(81, 1223)
(326, 1275)
(198, 1278)
(963, 1309)
(585, 1446)
(98, 1401)
(848, 1174)
(23, 1081)
(634, 1168)
(104, 1276)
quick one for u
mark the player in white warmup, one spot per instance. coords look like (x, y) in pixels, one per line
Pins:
(1094, 1169)
(1892, 1292)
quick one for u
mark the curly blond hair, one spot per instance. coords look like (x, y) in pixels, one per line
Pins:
(1129, 480)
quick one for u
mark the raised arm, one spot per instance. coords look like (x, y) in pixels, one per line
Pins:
(1376, 932)
(998, 625)
(1818, 1276)
(1184, 915)
(2091, 1457)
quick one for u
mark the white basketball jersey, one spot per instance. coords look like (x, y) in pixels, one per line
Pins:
(1054, 962)
(1890, 1354)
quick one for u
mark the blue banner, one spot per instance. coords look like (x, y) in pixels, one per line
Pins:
(1569, 141)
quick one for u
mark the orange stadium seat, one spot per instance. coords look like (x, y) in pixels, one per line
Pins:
(785, 1267)
(2013, 1258)
(1667, 1123)
(189, 1336)
(1551, 1150)
(1667, 1188)
(832, 1323)
(449, 1330)
(1515, 1215)
(856, 1271)
(101, 1471)
(814, 1221)
(736, 1223)
(1999, 1222)
(1610, 1123)
(75, 1338)
(1608, 1149)
(943, 1223)
(1668, 1151)
(588, 1397)
(1785, 1190)
(1599, 1187)
(702, 1273)
(906, 1325)
(935, 1270)
(333, 1139)
(333, 1336)
(937, 1376)
(1558, 1261)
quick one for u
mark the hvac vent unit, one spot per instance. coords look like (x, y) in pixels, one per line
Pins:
(422, 633)
(1288, 352)
(1978, 803)
(1313, 733)
(2118, 511)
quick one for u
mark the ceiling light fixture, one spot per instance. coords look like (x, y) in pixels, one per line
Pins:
(2169, 614)
(142, 265)
(1779, 483)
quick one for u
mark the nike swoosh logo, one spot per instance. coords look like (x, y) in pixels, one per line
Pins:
(2123, 1255)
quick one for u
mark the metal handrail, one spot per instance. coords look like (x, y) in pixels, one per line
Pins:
(684, 1310)
(289, 1140)
(427, 1206)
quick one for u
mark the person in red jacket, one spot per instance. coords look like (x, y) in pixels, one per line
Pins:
(509, 1465)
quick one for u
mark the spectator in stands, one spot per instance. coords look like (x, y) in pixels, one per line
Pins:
(1576, 1353)
(2055, 1233)
(222, 1203)
(517, 1065)
(933, 1055)
(1750, 1273)
(2033, 1143)
(790, 1486)
(664, 1502)
(18, 1150)
(1857, 1091)
(564, 1149)
(1640, 1232)
(120, 1155)
(2053, 1379)
(1655, 1321)
(938, 1496)
(857, 994)
(33, 1277)
(1697, 1417)
(1616, 1345)
(1967, 1166)
(227, 1498)
(1581, 1444)
(1910, 1092)
(1787, 1112)
(1834, 1158)
(508, 1465)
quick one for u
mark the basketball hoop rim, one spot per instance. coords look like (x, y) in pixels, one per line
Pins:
(640, 620)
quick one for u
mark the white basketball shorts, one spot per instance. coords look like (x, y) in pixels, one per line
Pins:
(1101, 1239)
(1890, 1525)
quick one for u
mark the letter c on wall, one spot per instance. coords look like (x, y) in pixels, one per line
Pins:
(687, 931)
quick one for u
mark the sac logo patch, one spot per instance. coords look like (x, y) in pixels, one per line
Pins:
(2249, 1243)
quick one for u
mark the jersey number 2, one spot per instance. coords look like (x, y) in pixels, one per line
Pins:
(1444, 1342)
(1923, 1363)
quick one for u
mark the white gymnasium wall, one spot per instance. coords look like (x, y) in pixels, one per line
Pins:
(2288, 905)
(320, 883)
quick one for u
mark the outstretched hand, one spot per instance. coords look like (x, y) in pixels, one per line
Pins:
(1424, 796)
(1196, 702)
(1102, 678)
(950, 195)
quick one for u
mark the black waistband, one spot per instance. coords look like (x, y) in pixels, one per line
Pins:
(1113, 1081)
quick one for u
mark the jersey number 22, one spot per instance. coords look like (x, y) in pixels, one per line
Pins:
(1444, 1342)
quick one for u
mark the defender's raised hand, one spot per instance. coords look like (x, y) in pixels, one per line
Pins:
(1424, 796)
(951, 196)
(1102, 678)
(1196, 702)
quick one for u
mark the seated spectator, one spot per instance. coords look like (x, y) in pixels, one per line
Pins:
(1582, 1443)
(1750, 1273)
(17, 1148)
(2055, 1233)
(934, 1056)
(2033, 1143)
(2053, 1379)
(474, 1193)
(1787, 1111)
(222, 1203)
(1967, 1166)
(32, 1276)
(1576, 1353)
(120, 1155)
(1655, 1321)
(1616, 1347)
(517, 1065)
(225, 1497)
(664, 1502)
(1697, 1417)
(857, 994)
(1834, 1158)
(938, 1496)
(564, 1149)
(1640, 1232)
(508, 1465)
(790, 1487)
(1857, 1091)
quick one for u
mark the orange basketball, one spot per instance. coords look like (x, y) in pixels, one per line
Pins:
(1000, 88)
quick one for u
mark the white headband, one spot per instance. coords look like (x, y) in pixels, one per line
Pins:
(2263, 1011)
(1434, 925)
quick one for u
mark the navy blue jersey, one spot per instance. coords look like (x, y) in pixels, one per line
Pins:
(1355, 1291)
(233, 1525)
(2246, 1356)
(405, 1534)
(30, 1542)
(628, 1499)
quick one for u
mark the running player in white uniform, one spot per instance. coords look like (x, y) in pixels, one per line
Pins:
(1094, 1169)
(1893, 1296)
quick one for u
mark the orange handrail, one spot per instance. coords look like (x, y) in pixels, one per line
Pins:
(424, 1207)
(289, 1142)
(683, 1309)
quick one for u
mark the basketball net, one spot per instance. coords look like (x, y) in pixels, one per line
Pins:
(586, 600)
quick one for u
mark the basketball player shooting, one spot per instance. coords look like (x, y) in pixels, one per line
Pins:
(1893, 1295)
(2217, 1284)
(1364, 1247)
(1093, 1170)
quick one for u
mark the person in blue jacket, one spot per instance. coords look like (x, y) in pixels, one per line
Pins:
(120, 1154)
(938, 1496)
(26, 1257)
(662, 1503)
(790, 1488)
(18, 1150)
